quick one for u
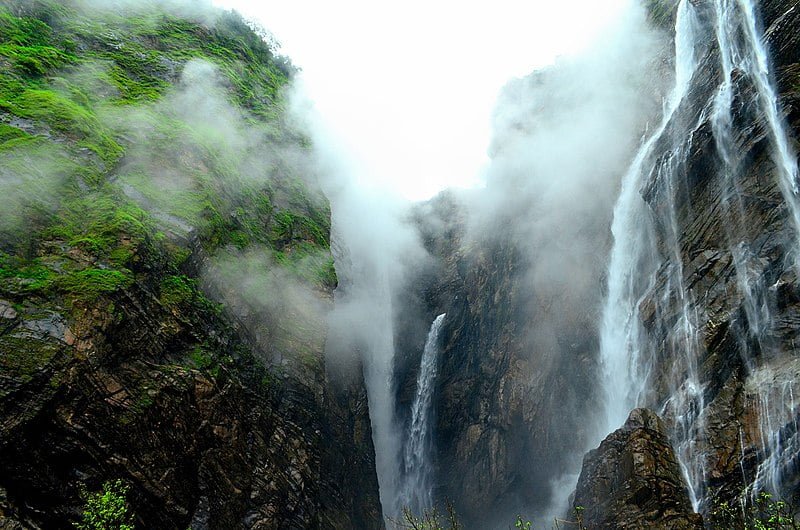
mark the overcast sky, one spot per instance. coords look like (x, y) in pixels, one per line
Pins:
(408, 87)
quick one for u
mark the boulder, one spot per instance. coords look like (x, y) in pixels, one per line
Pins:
(633, 480)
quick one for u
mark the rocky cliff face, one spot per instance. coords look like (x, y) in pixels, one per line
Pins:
(514, 401)
(633, 480)
(744, 373)
(143, 334)
(505, 401)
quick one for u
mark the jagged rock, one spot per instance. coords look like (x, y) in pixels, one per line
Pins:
(633, 480)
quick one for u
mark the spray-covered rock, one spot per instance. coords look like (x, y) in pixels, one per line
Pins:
(633, 480)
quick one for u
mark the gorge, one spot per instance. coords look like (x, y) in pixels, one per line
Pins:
(203, 305)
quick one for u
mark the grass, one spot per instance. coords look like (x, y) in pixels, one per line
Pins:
(94, 90)
(65, 115)
(88, 284)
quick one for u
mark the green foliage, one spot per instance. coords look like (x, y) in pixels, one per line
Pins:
(65, 115)
(521, 524)
(765, 513)
(9, 133)
(85, 82)
(204, 359)
(103, 225)
(31, 276)
(107, 509)
(178, 290)
(431, 519)
(88, 284)
(309, 262)
(290, 226)
(23, 31)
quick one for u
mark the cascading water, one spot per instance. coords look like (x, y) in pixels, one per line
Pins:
(379, 380)
(646, 271)
(634, 261)
(416, 490)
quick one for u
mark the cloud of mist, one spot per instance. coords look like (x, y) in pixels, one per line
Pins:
(414, 82)
(563, 138)
(285, 317)
(194, 155)
(375, 247)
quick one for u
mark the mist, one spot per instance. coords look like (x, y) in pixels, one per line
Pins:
(374, 247)
(562, 138)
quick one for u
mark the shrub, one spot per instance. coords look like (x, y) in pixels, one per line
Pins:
(107, 509)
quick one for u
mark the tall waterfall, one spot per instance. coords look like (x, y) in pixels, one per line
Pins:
(646, 277)
(416, 491)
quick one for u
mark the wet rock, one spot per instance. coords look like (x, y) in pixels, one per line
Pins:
(633, 480)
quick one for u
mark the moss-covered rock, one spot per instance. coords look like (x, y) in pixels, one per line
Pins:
(121, 356)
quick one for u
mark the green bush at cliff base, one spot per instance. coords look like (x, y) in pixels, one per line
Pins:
(765, 513)
(107, 509)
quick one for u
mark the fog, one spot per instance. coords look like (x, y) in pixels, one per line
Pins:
(399, 115)
(561, 140)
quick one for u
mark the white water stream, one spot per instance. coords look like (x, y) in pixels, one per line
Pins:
(416, 492)
(646, 276)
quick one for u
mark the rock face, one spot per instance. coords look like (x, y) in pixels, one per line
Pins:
(135, 343)
(746, 375)
(519, 272)
(515, 397)
(228, 450)
(633, 480)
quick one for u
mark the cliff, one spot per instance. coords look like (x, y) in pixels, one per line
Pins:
(518, 400)
(165, 278)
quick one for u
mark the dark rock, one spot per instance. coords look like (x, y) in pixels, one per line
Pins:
(633, 481)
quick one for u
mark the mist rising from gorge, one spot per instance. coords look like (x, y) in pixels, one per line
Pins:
(562, 138)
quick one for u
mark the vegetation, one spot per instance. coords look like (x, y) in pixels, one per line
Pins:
(110, 192)
(434, 519)
(66, 69)
(766, 513)
(107, 509)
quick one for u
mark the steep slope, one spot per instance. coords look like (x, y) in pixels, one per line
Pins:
(165, 277)
(733, 243)
(518, 399)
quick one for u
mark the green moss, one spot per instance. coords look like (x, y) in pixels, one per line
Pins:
(12, 138)
(8, 133)
(288, 226)
(67, 116)
(23, 31)
(178, 290)
(88, 284)
(23, 356)
(35, 60)
(102, 225)
(204, 359)
(29, 276)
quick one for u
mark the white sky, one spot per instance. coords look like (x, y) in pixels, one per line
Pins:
(408, 87)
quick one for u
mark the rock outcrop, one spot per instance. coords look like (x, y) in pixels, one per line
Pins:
(135, 343)
(633, 481)
(515, 397)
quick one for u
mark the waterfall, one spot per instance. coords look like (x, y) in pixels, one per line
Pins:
(624, 356)
(646, 269)
(416, 491)
(379, 381)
